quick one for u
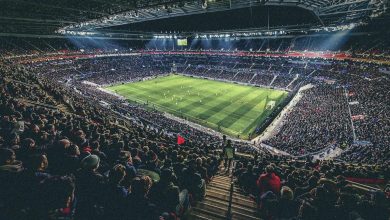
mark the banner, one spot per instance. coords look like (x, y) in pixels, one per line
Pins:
(354, 103)
(358, 117)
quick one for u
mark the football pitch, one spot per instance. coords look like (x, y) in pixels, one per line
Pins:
(230, 108)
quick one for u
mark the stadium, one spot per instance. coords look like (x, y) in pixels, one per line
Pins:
(195, 110)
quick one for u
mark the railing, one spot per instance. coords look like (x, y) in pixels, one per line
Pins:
(229, 211)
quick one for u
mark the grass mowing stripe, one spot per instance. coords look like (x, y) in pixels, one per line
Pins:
(222, 105)
(230, 119)
(236, 109)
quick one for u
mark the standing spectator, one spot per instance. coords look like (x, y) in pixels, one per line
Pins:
(228, 153)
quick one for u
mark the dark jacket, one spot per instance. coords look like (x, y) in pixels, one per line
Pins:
(166, 196)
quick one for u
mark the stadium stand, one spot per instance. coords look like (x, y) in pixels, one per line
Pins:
(70, 149)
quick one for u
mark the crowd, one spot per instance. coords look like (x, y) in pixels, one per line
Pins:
(320, 120)
(264, 72)
(90, 161)
(370, 106)
(84, 165)
(286, 189)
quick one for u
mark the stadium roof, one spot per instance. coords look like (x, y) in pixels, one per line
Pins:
(47, 16)
(327, 12)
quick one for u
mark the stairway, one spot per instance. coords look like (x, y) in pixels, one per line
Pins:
(273, 80)
(215, 205)
(295, 78)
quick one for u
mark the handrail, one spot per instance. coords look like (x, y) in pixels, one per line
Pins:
(229, 211)
(364, 187)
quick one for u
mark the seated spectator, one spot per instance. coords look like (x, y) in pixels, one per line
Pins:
(307, 212)
(168, 195)
(247, 180)
(95, 147)
(287, 207)
(269, 181)
(126, 160)
(139, 205)
(193, 182)
(71, 161)
(268, 204)
(89, 187)
(116, 193)
(27, 148)
(55, 200)
(309, 185)
(201, 169)
(10, 170)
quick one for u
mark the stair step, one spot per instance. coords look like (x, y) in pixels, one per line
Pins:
(227, 192)
(223, 197)
(221, 184)
(209, 214)
(219, 208)
(241, 216)
(212, 185)
(225, 185)
(199, 216)
(235, 207)
(223, 177)
(222, 180)
(216, 202)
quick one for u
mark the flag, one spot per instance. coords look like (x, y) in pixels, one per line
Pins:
(180, 140)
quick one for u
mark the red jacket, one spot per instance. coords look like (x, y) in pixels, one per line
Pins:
(269, 182)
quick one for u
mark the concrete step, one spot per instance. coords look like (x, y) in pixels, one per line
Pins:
(222, 177)
(235, 207)
(216, 203)
(241, 216)
(198, 216)
(207, 214)
(242, 202)
(227, 192)
(213, 185)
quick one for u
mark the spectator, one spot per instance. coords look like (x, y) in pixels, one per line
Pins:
(139, 205)
(269, 181)
(193, 182)
(117, 194)
(228, 153)
(287, 206)
(90, 185)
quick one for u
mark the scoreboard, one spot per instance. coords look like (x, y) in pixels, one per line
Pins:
(182, 42)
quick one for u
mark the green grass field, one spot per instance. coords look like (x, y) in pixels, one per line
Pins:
(230, 108)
